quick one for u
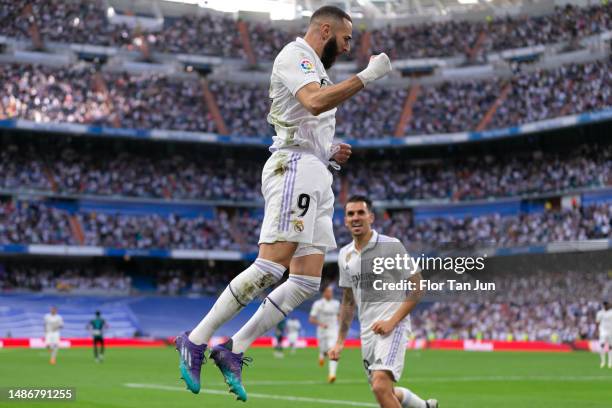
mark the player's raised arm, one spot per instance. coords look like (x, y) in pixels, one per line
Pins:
(329, 35)
(317, 99)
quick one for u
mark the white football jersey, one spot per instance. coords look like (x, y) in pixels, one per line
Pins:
(53, 323)
(604, 318)
(326, 312)
(295, 66)
(293, 326)
(349, 265)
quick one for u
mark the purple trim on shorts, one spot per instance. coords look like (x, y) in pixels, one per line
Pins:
(397, 336)
(291, 188)
(284, 195)
(291, 176)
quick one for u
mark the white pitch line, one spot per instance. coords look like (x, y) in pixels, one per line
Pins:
(258, 395)
(491, 378)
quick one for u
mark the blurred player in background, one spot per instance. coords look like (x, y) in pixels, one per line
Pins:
(604, 321)
(324, 314)
(97, 326)
(279, 334)
(297, 229)
(53, 325)
(293, 333)
(385, 326)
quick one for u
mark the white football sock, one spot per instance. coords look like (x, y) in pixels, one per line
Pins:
(333, 366)
(410, 399)
(54, 352)
(239, 293)
(275, 308)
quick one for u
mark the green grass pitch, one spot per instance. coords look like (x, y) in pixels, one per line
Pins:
(148, 378)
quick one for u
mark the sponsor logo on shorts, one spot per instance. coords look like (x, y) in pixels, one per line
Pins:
(307, 66)
(298, 225)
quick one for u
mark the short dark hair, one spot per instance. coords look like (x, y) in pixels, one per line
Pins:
(330, 11)
(360, 199)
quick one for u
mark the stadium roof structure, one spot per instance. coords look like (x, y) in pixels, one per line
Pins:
(388, 9)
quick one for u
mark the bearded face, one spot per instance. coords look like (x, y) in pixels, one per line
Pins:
(330, 52)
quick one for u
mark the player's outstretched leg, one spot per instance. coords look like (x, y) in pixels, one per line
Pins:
(409, 399)
(191, 358)
(230, 365)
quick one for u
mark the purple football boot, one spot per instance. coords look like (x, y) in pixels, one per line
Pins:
(191, 358)
(230, 365)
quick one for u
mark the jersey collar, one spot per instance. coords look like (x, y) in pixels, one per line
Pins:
(371, 243)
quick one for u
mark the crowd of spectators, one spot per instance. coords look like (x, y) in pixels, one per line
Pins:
(89, 170)
(454, 38)
(67, 279)
(482, 177)
(172, 231)
(81, 94)
(525, 305)
(244, 107)
(61, 21)
(157, 102)
(370, 114)
(80, 169)
(85, 21)
(203, 34)
(496, 230)
(452, 106)
(564, 90)
(37, 223)
(34, 223)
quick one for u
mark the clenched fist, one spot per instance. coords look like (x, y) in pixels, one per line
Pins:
(378, 67)
(341, 153)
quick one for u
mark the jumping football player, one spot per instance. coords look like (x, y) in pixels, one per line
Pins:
(385, 325)
(297, 229)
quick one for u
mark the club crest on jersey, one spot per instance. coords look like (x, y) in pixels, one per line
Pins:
(307, 66)
(298, 225)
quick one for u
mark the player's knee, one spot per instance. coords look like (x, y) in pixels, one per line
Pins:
(308, 285)
(381, 384)
(259, 276)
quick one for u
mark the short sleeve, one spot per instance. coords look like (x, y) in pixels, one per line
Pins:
(344, 280)
(295, 69)
(315, 309)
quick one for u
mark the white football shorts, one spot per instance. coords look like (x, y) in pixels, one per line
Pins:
(52, 339)
(299, 202)
(386, 352)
